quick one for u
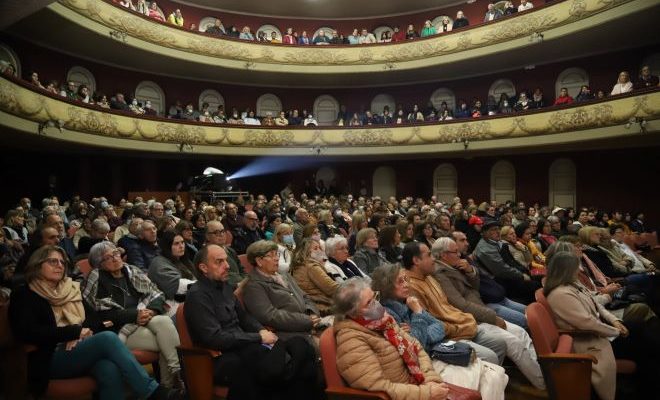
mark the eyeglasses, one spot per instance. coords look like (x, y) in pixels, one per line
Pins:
(271, 255)
(374, 299)
(218, 232)
(115, 254)
(252, 219)
(455, 251)
(54, 262)
(403, 279)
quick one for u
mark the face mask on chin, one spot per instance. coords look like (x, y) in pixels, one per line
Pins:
(316, 237)
(318, 255)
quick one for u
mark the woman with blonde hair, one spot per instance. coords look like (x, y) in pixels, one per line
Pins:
(307, 268)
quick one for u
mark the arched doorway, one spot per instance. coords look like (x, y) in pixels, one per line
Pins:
(445, 182)
(384, 182)
(562, 183)
(502, 182)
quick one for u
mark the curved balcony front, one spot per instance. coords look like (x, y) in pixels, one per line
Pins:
(34, 112)
(511, 42)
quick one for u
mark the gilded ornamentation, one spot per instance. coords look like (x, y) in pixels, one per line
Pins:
(316, 56)
(180, 133)
(368, 137)
(258, 137)
(89, 121)
(578, 8)
(30, 104)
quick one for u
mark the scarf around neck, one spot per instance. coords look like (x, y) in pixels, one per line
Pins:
(406, 349)
(65, 299)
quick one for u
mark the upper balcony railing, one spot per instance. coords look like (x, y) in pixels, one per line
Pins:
(26, 109)
(553, 21)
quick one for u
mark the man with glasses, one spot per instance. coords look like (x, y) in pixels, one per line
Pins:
(459, 281)
(232, 220)
(216, 235)
(250, 233)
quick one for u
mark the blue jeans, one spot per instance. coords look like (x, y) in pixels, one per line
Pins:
(510, 311)
(109, 361)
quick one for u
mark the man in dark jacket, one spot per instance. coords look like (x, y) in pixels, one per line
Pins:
(249, 234)
(254, 362)
(148, 246)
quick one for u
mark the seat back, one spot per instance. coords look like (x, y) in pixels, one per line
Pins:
(545, 335)
(244, 262)
(540, 298)
(229, 237)
(182, 327)
(328, 346)
(84, 266)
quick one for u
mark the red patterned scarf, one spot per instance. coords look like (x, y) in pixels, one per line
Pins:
(407, 350)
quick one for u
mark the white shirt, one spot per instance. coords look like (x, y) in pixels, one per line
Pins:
(621, 88)
(527, 6)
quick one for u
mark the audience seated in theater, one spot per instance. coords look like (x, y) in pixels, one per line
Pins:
(640, 263)
(175, 18)
(354, 37)
(623, 84)
(185, 229)
(563, 98)
(283, 237)
(523, 103)
(366, 37)
(362, 326)
(428, 29)
(460, 20)
(251, 119)
(304, 39)
(48, 313)
(391, 282)
(154, 12)
(98, 232)
(573, 308)
(171, 271)
(497, 259)
(128, 4)
(118, 102)
(69, 91)
(321, 38)
(525, 5)
(398, 35)
(142, 7)
(215, 235)
(366, 255)
(411, 33)
(288, 37)
(492, 13)
(246, 34)
(281, 120)
(446, 25)
(275, 299)
(255, 363)
(309, 120)
(504, 106)
(509, 8)
(274, 38)
(189, 113)
(338, 265)
(268, 119)
(584, 95)
(123, 299)
(261, 37)
(307, 268)
(34, 79)
(459, 326)
(385, 37)
(135, 107)
(249, 233)
(84, 95)
(538, 101)
(646, 79)
(458, 280)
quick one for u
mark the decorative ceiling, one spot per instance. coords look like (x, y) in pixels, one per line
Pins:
(321, 9)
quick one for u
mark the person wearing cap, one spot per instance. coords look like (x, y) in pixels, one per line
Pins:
(489, 253)
(473, 233)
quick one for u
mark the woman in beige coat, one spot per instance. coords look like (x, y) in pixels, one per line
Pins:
(574, 309)
(368, 340)
(310, 274)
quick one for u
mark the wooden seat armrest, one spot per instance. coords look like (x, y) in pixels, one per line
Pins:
(347, 392)
(569, 357)
(199, 351)
(29, 348)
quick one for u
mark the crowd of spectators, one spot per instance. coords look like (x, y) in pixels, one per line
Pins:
(475, 108)
(333, 37)
(423, 256)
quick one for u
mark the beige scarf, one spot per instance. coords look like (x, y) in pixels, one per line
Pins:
(65, 299)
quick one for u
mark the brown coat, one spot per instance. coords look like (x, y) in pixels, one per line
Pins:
(315, 281)
(458, 325)
(366, 360)
(574, 308)
(462, 291)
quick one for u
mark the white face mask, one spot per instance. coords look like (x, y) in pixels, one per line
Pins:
(189, 109)
(318, 255)
(135, 102)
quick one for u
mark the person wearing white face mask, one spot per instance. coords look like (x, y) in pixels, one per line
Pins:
(135, 107)
(283, 237)
(308, 271)
(374, 353)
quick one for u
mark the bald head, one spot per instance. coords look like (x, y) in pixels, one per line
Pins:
(251, 220)
(215, 233)
(50, 236)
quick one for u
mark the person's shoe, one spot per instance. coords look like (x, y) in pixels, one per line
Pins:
(177, 380)
(163, 393)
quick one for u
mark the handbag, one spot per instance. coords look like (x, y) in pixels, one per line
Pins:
(454, 353)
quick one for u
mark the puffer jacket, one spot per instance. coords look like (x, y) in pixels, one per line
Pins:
(317, 284)
(366, 360)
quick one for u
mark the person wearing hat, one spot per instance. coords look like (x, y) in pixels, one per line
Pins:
(489, 253)
(473, 233)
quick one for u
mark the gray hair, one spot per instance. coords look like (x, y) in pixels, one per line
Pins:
(383, 279)
(97, 252)
(140, 227)
(154, 204)
(552, 219)
(347, 297)
(100, 225)
(331, 244)
(441, 246)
